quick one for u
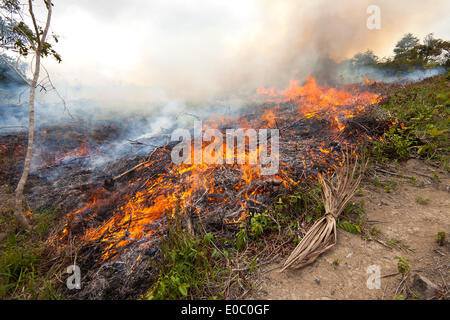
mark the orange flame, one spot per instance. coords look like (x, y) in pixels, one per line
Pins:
(314, 100)
(172, 192)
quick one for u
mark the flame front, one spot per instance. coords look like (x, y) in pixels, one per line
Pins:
(315, 101)
(180, 188)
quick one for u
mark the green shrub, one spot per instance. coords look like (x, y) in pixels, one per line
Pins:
(261, 223)
(402, 265)
(191, 267)
(421, 116)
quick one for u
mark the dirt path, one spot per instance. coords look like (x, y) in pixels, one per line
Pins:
(400, 215)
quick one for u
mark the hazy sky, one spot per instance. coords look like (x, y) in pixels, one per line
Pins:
(135, 50)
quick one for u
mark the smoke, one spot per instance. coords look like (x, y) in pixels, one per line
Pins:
(133, 53)
(165, 59)
(296, 37)
(150, 67)
(348, 75)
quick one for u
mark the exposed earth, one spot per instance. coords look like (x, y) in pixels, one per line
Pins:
(407, 208)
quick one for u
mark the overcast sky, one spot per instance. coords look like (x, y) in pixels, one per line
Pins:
(188, 48)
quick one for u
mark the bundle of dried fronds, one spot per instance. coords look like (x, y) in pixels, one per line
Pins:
(337, 192)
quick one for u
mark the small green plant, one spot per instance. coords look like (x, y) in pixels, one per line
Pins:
(390, 186)
(436, 178)
(308, 202)
(402, 265)
(336, 262)
(393, 146)
(191, 266)
(293, 225)
(397, 243)
(261, 223)
(399, 297)
(356, 209)
(297, 240)
(354, 215)
(348, 226)
(208, 238)
(387, 186)
(393, 242)
(422, 201)
(376, 182)
(241, 239)
(375, 232)
(440, 238)
(253, 265)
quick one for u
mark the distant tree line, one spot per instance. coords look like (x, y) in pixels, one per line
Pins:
(409, 55)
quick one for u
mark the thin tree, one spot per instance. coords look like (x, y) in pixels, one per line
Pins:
(19, 38)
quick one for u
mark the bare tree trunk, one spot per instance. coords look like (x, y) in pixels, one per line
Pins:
(18, 213)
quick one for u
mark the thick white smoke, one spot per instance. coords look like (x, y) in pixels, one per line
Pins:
(130, 56)
(134, 52)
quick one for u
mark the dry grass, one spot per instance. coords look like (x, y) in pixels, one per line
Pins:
(337, 192)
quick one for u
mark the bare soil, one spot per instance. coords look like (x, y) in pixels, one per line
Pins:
(410, 223)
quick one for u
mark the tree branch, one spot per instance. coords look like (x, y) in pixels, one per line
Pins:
(36, 29)
(15, 70)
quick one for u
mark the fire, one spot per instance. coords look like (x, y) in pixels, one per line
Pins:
(316, 101)
(81, 152)
(269, 117)
(180, 187)
(171, 193)
(15, 149)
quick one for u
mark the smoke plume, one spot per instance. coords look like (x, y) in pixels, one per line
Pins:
(131, 52)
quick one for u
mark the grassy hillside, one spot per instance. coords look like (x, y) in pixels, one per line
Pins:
(421, 120)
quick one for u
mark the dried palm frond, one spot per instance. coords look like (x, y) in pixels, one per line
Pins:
(337, 192)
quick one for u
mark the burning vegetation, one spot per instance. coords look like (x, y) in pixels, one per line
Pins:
(115, 212)
(118, 202)
(315, 124)
(123, 205)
